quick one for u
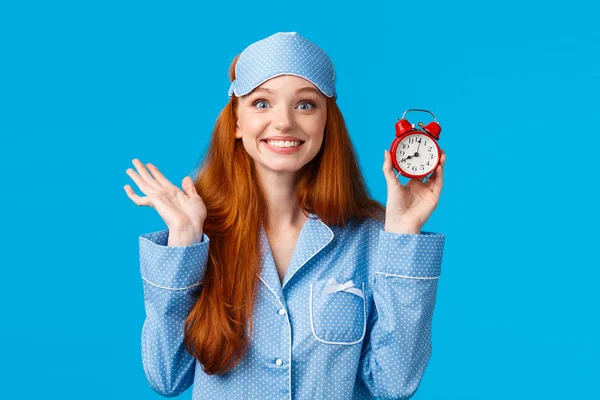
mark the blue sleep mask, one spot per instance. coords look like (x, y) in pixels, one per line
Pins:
(284, 53)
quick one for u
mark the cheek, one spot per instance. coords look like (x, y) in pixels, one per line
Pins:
(252, 128)
(318, 144)
(320, 125)
(250, 144)
(317, 133)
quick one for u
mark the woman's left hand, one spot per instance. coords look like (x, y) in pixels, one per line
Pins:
(410, 206)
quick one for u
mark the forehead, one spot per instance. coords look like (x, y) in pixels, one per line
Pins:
(287, 84)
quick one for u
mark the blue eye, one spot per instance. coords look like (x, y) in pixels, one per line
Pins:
(304, 102)
(311, 104)
(258, 101)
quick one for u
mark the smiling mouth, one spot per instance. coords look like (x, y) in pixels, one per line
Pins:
(301, 142)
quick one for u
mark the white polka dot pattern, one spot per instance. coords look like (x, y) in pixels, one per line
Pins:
(367, 336)
(336, 317)
(172, 266)
(171, 277)
(279, 54)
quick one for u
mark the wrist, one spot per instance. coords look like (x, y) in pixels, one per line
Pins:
(399, 227)
(185, 236)
(182, 239)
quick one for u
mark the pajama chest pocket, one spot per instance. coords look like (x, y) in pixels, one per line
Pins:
(338, 313)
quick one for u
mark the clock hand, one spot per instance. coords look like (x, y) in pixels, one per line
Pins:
(417, 152)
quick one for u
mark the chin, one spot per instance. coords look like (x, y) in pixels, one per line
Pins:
(283, 166)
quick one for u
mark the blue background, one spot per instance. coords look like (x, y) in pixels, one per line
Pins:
(85, 87)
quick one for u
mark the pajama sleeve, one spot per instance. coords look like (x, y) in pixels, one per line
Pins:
(406, 272)
(171, 277)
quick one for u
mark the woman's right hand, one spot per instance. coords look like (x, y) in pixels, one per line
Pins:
(184, 211)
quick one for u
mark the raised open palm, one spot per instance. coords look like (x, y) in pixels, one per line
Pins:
(180, 209)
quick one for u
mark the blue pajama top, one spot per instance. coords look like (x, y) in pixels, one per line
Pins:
(351, 319)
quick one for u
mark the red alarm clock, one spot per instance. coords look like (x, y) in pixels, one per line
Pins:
(415, 152)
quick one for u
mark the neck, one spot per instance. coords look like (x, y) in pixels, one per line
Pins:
(280, 190)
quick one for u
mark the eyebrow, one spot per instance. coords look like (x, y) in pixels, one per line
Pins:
(301, 90)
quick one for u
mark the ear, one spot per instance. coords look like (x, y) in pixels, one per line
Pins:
(238, 132)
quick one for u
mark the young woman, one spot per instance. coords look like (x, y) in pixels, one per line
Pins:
(278, 276)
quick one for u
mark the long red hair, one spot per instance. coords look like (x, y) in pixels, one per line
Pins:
(331, 185)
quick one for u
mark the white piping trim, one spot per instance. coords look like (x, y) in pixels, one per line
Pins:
(169, 288)
(290, 330)
(411, 277)
(312, 325)
(317, 252)
(287, 313)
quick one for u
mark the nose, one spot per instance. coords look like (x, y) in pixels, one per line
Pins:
(283, 119)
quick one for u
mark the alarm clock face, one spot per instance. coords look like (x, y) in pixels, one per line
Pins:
(417, 154)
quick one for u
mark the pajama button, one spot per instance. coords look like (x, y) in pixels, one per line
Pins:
(281, 311)
(278, 361)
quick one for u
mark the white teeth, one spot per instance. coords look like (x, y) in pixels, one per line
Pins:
(281, 143)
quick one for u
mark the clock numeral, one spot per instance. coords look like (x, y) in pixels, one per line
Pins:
(431, 156)
(404, 146)
(401, 152)
(414, 168)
